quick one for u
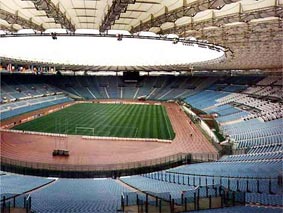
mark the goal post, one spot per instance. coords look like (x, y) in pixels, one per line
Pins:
(80, 130)
(108, 131)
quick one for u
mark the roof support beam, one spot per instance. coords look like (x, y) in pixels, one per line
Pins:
(186, 10)
(114, 12)
(15, 19)
(219, 22)
(53, 11)
(11, 29)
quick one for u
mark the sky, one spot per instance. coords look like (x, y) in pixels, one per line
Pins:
(103, 51)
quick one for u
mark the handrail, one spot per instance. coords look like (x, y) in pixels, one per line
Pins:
(223, 176)
(100, 170)
(99, 167)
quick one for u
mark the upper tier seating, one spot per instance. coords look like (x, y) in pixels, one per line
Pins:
(24, 91)
(271, 80)
(15, 88)
(158, 88)
(224, 110)
(205, 98)
(104, 87)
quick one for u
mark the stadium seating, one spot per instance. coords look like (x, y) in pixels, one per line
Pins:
(205, 98)
(224, 110)
(11, 184)
(248, 111)
(235, 100)
(240, 169)
(255, 176)
(270, 80)
(103, 87)
(156, 187)
(16, 108)
(266, 148)
(256, 156)
(254, 132)
(17, 89)
(264, 199)
(79, 195)
(244, 209)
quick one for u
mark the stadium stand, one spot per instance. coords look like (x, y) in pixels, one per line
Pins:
(243, 209)
(224, 151)
(16, 88)
(80, 195)
(9, 110)
(258, 178)
(156, 187)
(103, 87)
(12, 184)
(254, 132)
(250, 123)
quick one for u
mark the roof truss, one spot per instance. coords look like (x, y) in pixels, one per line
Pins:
(53, 11)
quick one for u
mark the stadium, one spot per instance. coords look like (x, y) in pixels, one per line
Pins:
(141, 106)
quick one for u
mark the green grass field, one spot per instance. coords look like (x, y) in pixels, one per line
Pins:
(114, 120)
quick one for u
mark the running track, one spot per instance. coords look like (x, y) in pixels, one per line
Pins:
(38, 149)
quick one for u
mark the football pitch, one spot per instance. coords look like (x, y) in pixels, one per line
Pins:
(111, 120)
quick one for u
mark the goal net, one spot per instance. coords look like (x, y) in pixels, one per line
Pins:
(108, 131)
(84, 131)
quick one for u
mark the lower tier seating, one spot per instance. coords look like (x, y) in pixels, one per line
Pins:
(11, 184)
(79, 195)
(16, 108)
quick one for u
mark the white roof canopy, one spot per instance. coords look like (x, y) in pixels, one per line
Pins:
(243, 26)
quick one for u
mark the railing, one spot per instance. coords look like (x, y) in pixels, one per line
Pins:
(171, 159)
(200, 198)
(236, 183)
(100, 170)
(97, 167)
(204, 157)
(18, 201)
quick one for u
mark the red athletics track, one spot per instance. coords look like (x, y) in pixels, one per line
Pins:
(94, 152)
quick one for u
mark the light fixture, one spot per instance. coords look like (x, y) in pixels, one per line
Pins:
(175, 40)
(54, 36)
(119, 37)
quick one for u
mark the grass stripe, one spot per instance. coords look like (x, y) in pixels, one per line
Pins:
(116, 120)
